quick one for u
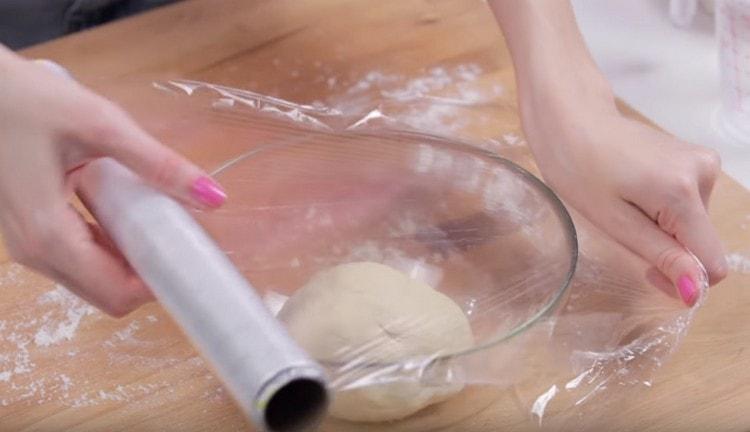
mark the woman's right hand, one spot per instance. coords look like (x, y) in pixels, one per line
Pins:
(49, 127)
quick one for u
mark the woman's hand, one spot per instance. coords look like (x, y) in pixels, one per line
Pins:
(645, 188)
(49, 127)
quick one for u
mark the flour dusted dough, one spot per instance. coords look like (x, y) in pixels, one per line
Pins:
(364, 313)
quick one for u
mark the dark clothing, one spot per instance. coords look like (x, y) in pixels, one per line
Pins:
(27, 22)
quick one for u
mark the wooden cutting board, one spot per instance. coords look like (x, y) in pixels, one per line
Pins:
(64, 366)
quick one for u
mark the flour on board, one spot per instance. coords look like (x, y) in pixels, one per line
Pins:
(44, 332)
(55, 331)
(432, 101)
(738, 262)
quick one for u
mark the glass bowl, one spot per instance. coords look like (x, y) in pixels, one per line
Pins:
(474, 226)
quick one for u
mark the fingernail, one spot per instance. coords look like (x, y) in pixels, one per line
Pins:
(209, 192)
(687, 290)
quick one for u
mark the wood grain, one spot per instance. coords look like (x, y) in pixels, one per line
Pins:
(139, 373)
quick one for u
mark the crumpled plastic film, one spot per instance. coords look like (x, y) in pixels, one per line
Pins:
(604, 338)
(609, 341)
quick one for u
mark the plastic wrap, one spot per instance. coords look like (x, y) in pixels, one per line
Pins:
(178, 261)
(316, 185)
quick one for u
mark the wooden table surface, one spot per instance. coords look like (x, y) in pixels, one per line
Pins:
(66, 367)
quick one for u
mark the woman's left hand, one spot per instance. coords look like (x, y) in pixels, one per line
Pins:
(647, 189)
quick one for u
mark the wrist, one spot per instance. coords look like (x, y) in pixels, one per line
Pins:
(559, 103)
(557, 80)
(555, 83)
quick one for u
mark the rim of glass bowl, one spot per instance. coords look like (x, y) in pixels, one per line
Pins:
(461, 146)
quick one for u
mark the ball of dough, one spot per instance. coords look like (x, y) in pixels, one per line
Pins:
(362, 317)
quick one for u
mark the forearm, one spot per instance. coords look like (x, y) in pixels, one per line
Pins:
(554, 70)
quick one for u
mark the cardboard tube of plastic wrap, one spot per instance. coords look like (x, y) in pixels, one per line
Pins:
(274, 381)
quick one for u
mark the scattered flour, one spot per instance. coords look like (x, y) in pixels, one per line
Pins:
(41, 357)
(53, 331)
(55, 318)
(738, 263)
(432, 102)
(513, 139)
(119, 394)
(124, 335)
(457, 80)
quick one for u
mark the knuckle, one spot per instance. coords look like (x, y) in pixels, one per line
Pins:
(50, 236)
(709, 162)
(36, 241)
(717, 273)
(680, 188)
(117, 310)
(124, 301)
(101, 120)
(22, 254)
(117, 306)
(668, 220)
(101, 131)
(668, 259)
(165, 172)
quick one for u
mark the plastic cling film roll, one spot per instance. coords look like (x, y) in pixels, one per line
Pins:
(273, 380)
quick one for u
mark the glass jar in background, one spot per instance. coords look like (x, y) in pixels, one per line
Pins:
(733, 33)
(682, 12)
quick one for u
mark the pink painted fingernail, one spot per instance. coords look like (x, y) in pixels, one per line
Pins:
(687, 290)
(207, 191)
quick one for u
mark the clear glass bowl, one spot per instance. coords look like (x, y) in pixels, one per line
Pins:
(475, 226)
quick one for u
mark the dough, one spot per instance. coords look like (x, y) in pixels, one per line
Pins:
(359, 314)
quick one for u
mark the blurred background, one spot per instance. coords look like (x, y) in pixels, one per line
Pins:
(667, 72)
